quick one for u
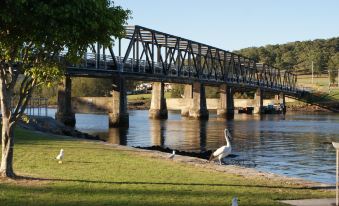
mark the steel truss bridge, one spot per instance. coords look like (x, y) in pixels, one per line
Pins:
(156, 56)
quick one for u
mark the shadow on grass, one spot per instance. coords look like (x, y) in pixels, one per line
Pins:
(133, 196)
(322, 100)
(173, 183)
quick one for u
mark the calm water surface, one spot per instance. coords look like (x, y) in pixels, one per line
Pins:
(297, 145)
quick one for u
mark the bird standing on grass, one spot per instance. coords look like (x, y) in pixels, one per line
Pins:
(172, 155)
(60, 156)
(235, 201)
(223, 151)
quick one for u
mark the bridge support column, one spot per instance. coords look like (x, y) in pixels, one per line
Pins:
(118, 115)
(226, 102)
(258, 102)
(282, 102)
(64, 112)
(188, 95)
(198, 108)
(158, 108)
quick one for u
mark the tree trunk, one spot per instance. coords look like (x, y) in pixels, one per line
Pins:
(6, 168)
(7, 133)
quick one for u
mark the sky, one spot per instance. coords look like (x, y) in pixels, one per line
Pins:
(236, 24)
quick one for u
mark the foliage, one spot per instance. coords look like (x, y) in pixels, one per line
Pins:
(28, 46)
(333, 66)
(212, 92)
(297, 56)
(33, 33)
(91, 87)
(177, 90)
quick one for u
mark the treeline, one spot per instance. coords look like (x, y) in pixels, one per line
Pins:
(298, 56)
(83, 87)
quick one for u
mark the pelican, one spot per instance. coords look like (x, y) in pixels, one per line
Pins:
(172, 155)
(223, 151)
(235, 201)
(60, 156)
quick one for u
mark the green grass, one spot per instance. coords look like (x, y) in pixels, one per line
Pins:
(322, 95)
(98, 174)
(320, 83)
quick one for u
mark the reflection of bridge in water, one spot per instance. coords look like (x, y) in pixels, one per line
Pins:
(180, 134)
(155, 56)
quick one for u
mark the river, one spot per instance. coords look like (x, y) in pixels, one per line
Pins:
(297, 145)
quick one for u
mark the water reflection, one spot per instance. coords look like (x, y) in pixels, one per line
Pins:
(157, 131)
(117, 136)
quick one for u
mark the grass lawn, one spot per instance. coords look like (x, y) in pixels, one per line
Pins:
(320, 84)
(98, 174)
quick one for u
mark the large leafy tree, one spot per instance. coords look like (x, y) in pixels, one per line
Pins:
(32, 35)
(333, 67)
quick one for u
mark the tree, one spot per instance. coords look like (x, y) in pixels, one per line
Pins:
(32, 35)
(296, 55)
(177, 90)
(333, 66)
(318, 59)
(91, 87)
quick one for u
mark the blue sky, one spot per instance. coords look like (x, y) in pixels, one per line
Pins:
(232, 25)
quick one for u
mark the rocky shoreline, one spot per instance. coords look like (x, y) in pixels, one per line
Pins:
(244, 172)
(308, 108)
(50, 125)
(139, 104)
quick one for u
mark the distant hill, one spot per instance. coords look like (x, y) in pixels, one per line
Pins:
(298, 55)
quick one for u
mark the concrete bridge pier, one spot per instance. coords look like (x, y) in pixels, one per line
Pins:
(282, 102)
(158, 108)
(226, 103)
(118, 115)
(188, 95)
(277, 99)
(258, 102)
(64, 112)
(198, 108)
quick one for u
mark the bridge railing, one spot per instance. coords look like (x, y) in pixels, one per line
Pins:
(251, 76)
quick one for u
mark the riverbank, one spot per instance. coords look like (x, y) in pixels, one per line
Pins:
(98, 173)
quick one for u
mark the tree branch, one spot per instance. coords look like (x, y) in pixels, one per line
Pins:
(24, 102)
(25, 86)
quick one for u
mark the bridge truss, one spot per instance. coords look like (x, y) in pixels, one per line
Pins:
(157, 56)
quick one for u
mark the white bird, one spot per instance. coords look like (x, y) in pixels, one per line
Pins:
(172, 155)
(223, 151)
(235, 201)
(60, 156)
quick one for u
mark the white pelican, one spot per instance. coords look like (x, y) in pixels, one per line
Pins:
(223, 151)
(172, 155)
(235, 201)
(60, 156)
